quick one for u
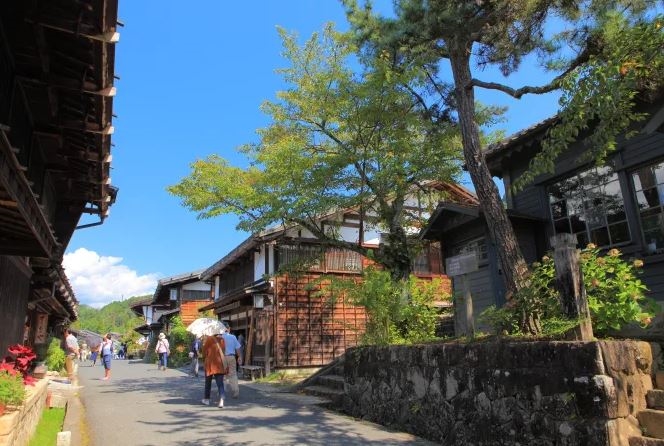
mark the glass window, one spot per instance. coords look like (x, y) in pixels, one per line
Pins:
(591, 206)
(649, 188)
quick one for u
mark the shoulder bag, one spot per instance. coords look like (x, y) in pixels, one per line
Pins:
(224, 363)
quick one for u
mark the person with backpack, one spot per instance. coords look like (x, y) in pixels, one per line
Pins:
(194, 354)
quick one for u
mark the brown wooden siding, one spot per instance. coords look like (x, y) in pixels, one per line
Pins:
(14, 292)
(311, 328)
(189, 310)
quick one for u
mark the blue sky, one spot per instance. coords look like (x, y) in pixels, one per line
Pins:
(192, 78)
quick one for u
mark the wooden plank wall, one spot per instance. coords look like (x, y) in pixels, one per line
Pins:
(311, 328)
(189, 310)
(14, 292)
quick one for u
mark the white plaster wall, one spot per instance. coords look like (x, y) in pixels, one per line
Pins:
(259, 263)
(197, 286)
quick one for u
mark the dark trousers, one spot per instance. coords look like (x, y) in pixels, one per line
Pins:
(219, 379)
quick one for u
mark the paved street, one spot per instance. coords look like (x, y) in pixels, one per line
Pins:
(142, 406)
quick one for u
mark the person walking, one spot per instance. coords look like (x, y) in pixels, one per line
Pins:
(163, 349)
(232, 351)
(71, 347)
(194, 354)
(216, 366)
(93, 355)
(106, 352)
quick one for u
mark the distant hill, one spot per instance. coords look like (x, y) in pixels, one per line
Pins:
(114, 317)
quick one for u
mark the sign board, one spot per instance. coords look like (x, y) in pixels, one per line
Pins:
(41, 326)
(461, 264)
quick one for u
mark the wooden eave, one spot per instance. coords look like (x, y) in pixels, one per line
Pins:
(50, 288)
(450, 216)
(162, 292)
(242, 250)
(259, 286)
(60, 67)
(527, 140)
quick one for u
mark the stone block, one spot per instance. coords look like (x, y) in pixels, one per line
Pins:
(58, 400)
(655, 399)
(621, 430)
(652, 422)
(645, 441)
(18, 425)
(659, 379)
(64, 438)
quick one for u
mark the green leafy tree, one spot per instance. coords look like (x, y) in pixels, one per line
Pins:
(179, 340)
(346, 134)
(116, 317)
(614, 51)
(391, 317)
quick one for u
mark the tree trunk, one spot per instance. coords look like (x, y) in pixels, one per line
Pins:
(396, 255)
(513, 266)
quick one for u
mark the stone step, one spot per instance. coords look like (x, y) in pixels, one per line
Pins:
(331, 381)
(645, 441)
(655, 399)
(659, 380)
(324, 392)
(652, 422)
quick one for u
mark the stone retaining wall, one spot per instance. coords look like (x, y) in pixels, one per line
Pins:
(503, 393)
(18, 424)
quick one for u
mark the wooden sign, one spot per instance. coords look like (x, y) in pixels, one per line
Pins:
(461, 264)
(41, 325)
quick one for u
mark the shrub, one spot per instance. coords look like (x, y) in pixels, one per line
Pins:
(615, 297)
(55, 356)
(179, 340)
(12, 390)
(397, 312)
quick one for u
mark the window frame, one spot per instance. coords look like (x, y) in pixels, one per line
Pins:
(659, 187)
(584, 196)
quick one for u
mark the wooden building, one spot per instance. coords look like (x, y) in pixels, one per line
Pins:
(181, 295)
(619, 205)
(465, 232)
(273, 289)
(56, 88)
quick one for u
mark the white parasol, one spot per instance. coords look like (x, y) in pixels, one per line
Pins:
(206, 326)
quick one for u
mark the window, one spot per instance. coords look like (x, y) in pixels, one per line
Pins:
(318, 258)
(649, 188)
(195, 295)
(591, 206)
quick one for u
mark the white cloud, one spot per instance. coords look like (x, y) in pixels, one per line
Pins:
(98, 280)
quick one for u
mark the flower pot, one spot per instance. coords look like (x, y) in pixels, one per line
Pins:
(40, 370)
(2, 409)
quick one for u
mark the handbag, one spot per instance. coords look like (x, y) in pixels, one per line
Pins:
(224, 363)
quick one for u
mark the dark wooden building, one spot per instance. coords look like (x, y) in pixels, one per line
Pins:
(618, 205)
(465, 232)
(56, 89)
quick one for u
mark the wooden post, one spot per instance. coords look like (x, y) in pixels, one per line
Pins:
(468, 302)
(569, 283)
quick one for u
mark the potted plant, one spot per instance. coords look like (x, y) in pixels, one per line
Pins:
(12, 390)
(20, 358)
